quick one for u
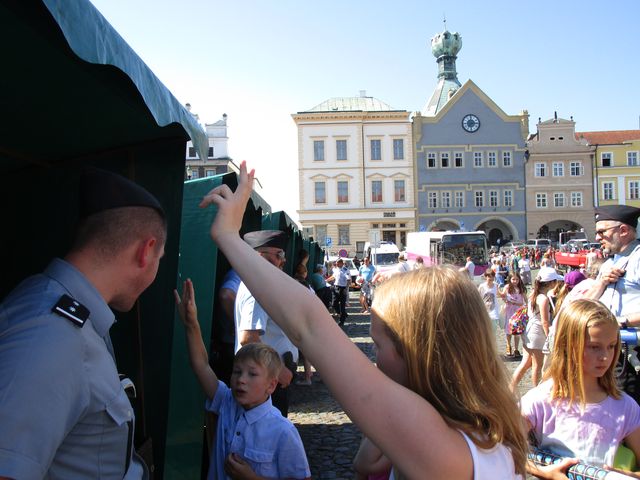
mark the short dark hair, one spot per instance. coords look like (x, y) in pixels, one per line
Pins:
(112, 230)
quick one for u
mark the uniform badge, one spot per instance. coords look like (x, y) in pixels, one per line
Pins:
(71, 310)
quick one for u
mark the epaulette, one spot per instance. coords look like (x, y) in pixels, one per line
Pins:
(71, 310)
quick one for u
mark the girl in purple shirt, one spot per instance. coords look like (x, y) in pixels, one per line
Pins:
(578, 411)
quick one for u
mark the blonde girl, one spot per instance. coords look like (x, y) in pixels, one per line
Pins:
(535, 335)
(578, 411)
(424, 406)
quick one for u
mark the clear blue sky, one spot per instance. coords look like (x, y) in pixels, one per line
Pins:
(261, 61)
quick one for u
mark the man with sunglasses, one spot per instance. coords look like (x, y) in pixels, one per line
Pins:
(254, 325)
(618, 283)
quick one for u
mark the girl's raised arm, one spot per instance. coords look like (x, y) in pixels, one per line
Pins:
(404, 425)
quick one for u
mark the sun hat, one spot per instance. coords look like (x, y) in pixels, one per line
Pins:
(549, 274)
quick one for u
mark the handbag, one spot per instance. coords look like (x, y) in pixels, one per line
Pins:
(518, 321)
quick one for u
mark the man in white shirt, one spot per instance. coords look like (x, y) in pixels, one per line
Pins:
(469, 268)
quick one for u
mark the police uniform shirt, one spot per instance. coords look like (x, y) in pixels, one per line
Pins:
(623, 297)
(249, 315)
(341, 276)
(63, 411)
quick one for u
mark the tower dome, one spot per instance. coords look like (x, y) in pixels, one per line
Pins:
(446, 43)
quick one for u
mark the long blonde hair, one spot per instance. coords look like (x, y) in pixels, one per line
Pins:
(565, 368)
(439, 325)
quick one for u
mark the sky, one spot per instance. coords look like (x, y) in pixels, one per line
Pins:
(261, 61)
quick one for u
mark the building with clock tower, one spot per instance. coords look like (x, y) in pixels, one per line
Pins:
(469, 156)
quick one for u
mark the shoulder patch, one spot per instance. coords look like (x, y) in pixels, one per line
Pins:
(72, 310)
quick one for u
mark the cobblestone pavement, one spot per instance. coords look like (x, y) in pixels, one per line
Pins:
(329, 437)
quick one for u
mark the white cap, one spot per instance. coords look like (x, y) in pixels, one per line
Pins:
(549, 274)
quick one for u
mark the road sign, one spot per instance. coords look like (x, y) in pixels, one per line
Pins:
(328, 241)
(423, 227)
(374, 238)
(342, 253)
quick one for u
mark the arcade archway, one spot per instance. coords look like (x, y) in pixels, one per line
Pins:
(499, 231)
(552, 229)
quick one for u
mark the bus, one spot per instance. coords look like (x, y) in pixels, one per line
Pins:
(449, 247)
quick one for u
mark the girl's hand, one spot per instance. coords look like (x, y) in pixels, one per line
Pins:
(186, 305)
(231, 205)
(557, 471)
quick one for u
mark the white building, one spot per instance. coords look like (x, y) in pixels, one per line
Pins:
(355, 172)
(218, 160)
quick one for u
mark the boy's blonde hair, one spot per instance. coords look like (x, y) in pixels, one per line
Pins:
(439, 325)
(566, 364)
(263, 355)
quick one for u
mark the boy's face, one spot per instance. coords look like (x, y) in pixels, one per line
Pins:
(251, 384)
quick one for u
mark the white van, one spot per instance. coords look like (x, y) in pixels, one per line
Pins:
(384, 257)
(542, 243)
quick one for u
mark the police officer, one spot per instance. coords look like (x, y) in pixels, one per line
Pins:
(254, 325)
(63, 410)
(618, 283)
(341, 278)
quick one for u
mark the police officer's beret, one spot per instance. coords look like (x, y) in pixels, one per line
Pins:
(103, 190)
(267, 238)
(619, 213)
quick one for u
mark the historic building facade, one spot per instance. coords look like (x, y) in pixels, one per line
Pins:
(218, 160)
(469, 156)
(559, 179)
(355, 163)
(616, 166)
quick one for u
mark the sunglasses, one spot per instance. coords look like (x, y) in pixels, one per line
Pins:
(280, 254)
(601, 232)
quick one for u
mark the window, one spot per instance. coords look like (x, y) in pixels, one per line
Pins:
(607, 159)
(341, 149)
(541, 200)
(506, 159)
(493, 198)
(446, 199)
(376, 190)
(478, 161)
(632, 159)
(634, 190)
(376, 150)
(491, 159)
(210, 152)
(432, 199)
(318, 150)
(444, 160)
(607, 191)
(558, 199)
(558, 169)
(195, 173)
(398, 190)
(398, 149)
(576, 199)
(508, 198)
(191, 152)
(320, 192)
(458, 161)
(431, 160)
(575, 169)
(343, 235)
(479, 198)
(459, 198)
(541, 170)
(321, 234)
(343, 191)
(209, 173)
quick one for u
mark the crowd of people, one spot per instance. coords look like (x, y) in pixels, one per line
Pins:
(438, 402)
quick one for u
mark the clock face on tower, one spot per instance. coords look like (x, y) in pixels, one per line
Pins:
(470, 123)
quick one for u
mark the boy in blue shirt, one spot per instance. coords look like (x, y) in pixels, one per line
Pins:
(253, 440)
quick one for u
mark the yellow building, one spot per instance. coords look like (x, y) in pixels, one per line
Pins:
(616, 169)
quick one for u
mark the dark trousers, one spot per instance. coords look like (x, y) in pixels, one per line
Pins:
(340, 297)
